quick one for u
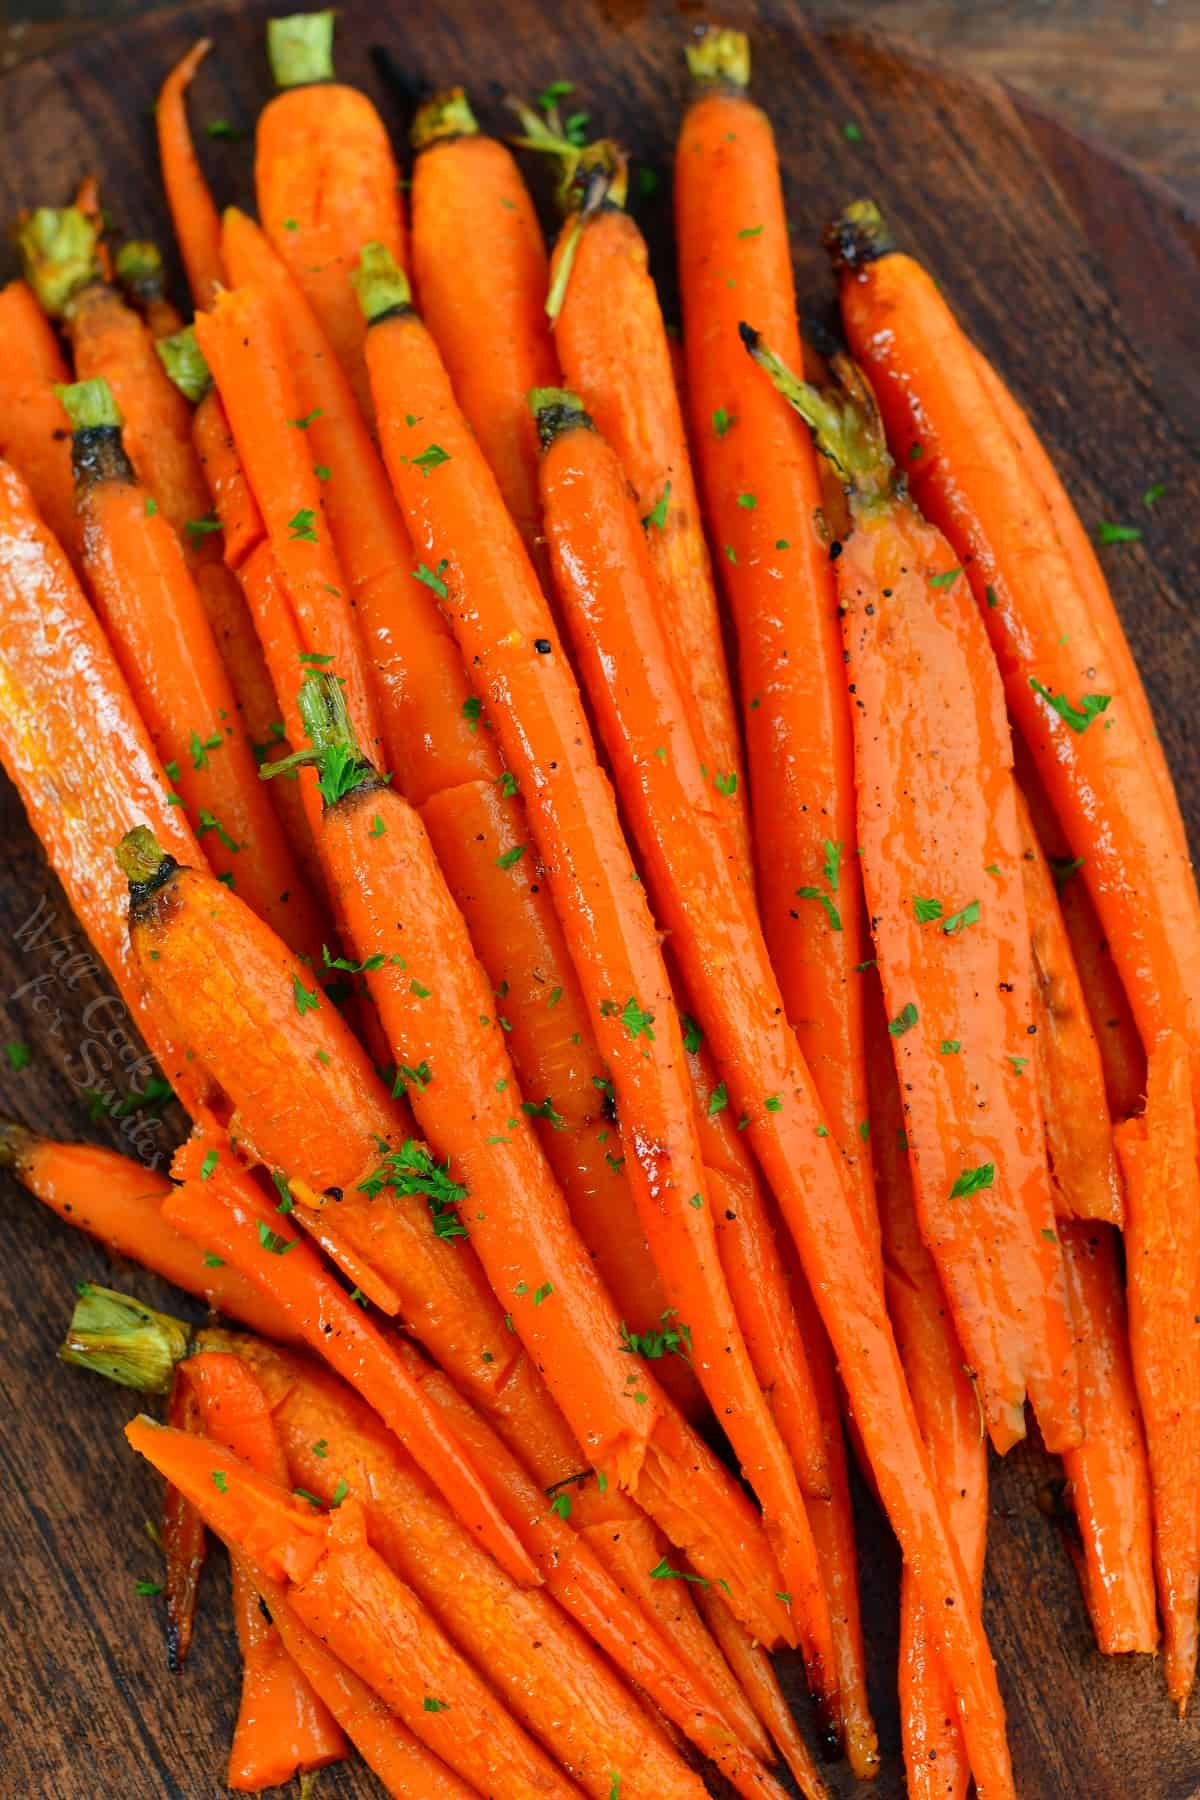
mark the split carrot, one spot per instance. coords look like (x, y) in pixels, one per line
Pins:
(345, 1594)
(193, 215)
(730, 981)
(616, 355)
(31, 427)
(1083, 1164)
(160, 635)
(443, 756)
(756, 1675)
(140, 275)
(184, 1539)
(434, 1003)
(1066, 669)
(1108, 1473)
(480, 267)
(282, 1728)
(457, 518)
(119, 1201)
(326, 181)
(1162, 1260)
(935, 1756)
(941, 857)
(57, 670)
(762, 494)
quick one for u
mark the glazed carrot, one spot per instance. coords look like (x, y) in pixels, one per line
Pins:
(756, 1675)
(941, 856)
(242, 526)
(118, 1201)
(160, 634)
(184, 1541)
(1162, 1260)
(457, 518)
(729, 979)
(1108, 1473)
(480, 267)
(1121, 1052)
(244, 353)
(282, 1727)
(31, 433)
(443, 757)
(935, 1758)
(57, 674)
(434, 1005)
(615, 354)
(193, 215)
(345, 1594)
(1083, 1164)
(1066, 671)
(762, 494)
(326, 181)
(141, 277)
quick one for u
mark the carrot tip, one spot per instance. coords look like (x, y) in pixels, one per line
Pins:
(124, 1341)
(380, 283)
(719, 57)
(300, 48)
(446, 114)
(183, 359)
(59, 251)
(859, 235)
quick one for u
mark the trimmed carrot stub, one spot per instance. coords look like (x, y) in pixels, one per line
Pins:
(935, 1757)
(762, 493)
(503, 633)
(1066, 668)
(443, 756)
(345, 1594)
(56, 670)
(326, 181)
(193, 215)
(1108, 1472)
(615, 354)
(159, 631)
(941, 854)
(1079, 1143)
(140, 275)
(31, 434)
(434, 1001)
(119, 1201)
(1162, 1260)
(282, 1728)
(480, 267)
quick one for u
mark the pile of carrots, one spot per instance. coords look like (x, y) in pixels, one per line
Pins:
(652, 873)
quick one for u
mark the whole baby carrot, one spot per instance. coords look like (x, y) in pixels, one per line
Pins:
(326, 180)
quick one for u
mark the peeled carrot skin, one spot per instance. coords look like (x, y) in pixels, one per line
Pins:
(31, 424)
(197, 227)
(794, 713)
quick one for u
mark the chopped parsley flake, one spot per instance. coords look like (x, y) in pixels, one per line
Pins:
(925, 910)
(972, 1180)
(968, 915)
(510, 857)
(657, 516)
(272, 1242)
(1077, 717)
(904, 1021)
(432, 578)
(306, 1000)
(722, 420)
(302, 525)
(1108, 533)
(211, 1159)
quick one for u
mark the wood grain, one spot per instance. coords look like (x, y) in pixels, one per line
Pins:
(1045, 246)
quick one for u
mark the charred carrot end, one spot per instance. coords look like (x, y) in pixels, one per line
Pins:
(124, 1341)
(144, 864)
(59, 250)
(140, 274)
(556, 411)
(300, 49)
(444, 115)
(183, 359)
(380, 284)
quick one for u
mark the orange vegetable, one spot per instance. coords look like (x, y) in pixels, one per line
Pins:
(756, 1675)
(762, 495)
(193, 215)
(326, 181)
(141, 277)
(480, 267)
(31, 434)
(1162, 1262)
(1067, 671)
(184, 1542)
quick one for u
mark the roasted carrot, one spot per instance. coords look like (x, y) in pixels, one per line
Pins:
(1162, 1259)
(935, 1757)
(730, 981)
(762, 494)
(184, 1540)
(941, 857)
(193, 215)
(140, 275)
(31, 426)
(1066, 670)
(57, 670)
(282, 1728)
(119, 1201)
(756, 1675)
(347, 1596)
(444, 759)
(1083, 1164)
(326, 181)
(1108, 1473)
(160, 635)
(615, 354)
(434, 1005)
(480, 267)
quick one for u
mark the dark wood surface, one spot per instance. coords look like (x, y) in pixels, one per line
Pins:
(1081, 281)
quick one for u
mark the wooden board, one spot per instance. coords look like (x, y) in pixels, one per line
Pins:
(1082, 282)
